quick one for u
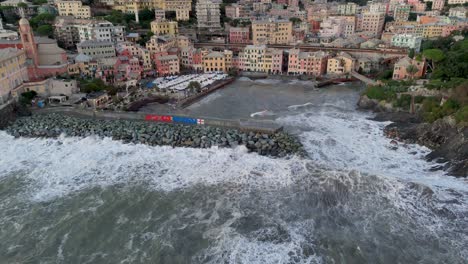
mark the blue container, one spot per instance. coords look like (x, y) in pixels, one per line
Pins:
(40, 104)
(184, 120)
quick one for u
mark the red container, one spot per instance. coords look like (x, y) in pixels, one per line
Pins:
(159, 118)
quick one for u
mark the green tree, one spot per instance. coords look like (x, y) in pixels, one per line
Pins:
(411, 53)
(39, 2)
(22, 5)
(295, 20)
(45, 30)
(434, 56)
(194, 86)
(412, 70)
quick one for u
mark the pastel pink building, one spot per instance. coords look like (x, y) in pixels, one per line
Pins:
(400, 72)
(47, 59)
(239, 35)
(308, 63)
(277, 60)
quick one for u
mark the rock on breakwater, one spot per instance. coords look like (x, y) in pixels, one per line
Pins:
(155, 134)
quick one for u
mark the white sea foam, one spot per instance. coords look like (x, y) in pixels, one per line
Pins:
(268, 81)
(349, 140)
(295, 107)
(60, 166)
(262, 113)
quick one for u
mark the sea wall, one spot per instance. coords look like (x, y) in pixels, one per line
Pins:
(278, 144)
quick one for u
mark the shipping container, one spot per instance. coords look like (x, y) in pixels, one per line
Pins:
(184, 120)
(159, 118)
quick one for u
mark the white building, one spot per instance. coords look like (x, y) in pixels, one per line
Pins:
(457, 2)
(208, 14)
(459, 11)
(407, 41)
(101, 31)
(97, 49)
(7, 34)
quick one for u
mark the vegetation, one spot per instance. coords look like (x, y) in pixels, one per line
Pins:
(295, 20)
(45, 30)
(39, 2)
(96, 85)
(448, 61)
(194, 87)
(42, 24)
(26, 97)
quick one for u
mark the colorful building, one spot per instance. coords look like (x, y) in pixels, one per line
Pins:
(400, 71)
(13, 72)
(164, 27)
(73, 8)
(239, 35)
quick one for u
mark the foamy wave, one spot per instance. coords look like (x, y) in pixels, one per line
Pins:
(349, 140)
(295, 107)
(61, 166)
(268, 81)
(262, 113)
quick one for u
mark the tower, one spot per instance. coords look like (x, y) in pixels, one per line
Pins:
(29, 46)
(137, 17)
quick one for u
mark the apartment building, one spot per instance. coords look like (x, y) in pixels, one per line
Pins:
(271, 32)
(372, 22)
(97, 49)
(164, 27)
(457, 2)
(214, 61)
(239, 35)
(347, 9)
(340, 64)
(400, 69)
(101, 31)
(307, 63)
(13, 72)
(73, 8)
(407, 41)
(401, 12)
(208, 15)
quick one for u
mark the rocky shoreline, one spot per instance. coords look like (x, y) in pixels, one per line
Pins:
(155, 134)
(448, 142)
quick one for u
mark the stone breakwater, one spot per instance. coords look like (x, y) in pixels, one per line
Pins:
(279, 144)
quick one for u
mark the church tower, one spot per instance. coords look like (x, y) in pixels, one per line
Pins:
(27, 39)
(30, 47)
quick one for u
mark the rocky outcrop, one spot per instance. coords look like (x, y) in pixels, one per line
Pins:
(175, 135)
(367, 104)
(448, 142)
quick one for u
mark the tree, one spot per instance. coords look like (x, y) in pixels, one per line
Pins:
(45, 30)
(194, 86)
(412, 70)
(434, 56)
(295, 20)
(39, 2)
(146, 15)
(22, 5)
(411, 53)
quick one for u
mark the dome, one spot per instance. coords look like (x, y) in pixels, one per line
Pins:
(23, 21)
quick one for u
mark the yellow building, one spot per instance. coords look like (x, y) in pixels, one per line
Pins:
(342, 63)
(271, 32)
(214, 62)
(13, 71)
(252, 58)
(181, 7)
(164, 27)
(432, 30)
(73, 8)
